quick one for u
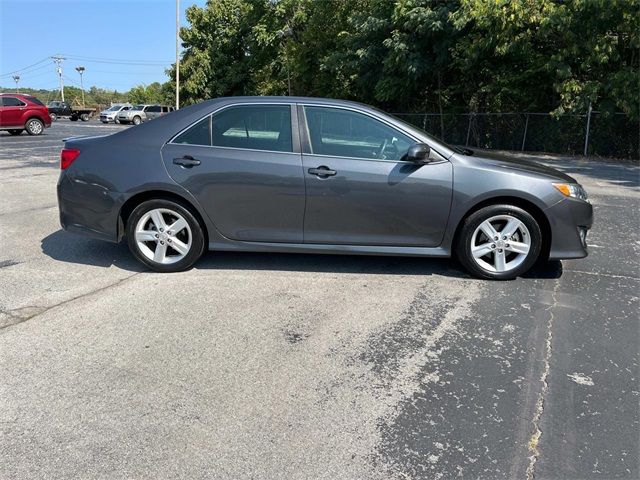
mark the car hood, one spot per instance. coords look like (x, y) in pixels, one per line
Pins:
(524, 166)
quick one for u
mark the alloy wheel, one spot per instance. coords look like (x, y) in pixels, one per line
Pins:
(500, 244)
(163, 236)
(35, 127)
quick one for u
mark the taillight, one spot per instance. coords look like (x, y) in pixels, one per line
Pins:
(67, 156)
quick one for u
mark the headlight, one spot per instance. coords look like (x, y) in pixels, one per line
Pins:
(572, 190)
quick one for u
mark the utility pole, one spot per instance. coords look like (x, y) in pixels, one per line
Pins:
(81, 71)
(58, 61)
(177, 54)
(16, 78)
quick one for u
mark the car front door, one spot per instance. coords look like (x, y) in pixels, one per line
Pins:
(243, 164)
(360, 191)
(11, 112)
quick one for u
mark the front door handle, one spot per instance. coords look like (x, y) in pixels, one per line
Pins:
(322, 171)
(187, 161)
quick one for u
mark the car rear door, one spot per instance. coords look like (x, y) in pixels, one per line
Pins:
(360, 191)
(243, 165)
(153, 111)
(11, 112)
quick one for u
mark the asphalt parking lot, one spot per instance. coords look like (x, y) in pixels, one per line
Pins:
(309, 366)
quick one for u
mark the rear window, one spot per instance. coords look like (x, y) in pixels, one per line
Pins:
(35, 100)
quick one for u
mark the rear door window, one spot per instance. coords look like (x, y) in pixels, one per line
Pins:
(255, 127)
(12, 102)
(199, 134)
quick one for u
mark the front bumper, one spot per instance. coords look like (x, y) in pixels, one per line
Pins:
(570, 221)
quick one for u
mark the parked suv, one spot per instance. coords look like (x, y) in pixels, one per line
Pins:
(111, 113)
(20, 112)
(142, 113)
(135, 115)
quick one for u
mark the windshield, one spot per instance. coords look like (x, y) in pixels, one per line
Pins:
(115, 108)
(138, 107)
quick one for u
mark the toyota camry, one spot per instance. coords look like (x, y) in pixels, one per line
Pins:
(293, 174)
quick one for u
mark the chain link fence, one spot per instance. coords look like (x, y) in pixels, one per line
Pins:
(608, 135)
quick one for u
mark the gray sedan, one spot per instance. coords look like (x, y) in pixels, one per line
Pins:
(293, 174)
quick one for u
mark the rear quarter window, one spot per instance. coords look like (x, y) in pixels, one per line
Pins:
(35, 100)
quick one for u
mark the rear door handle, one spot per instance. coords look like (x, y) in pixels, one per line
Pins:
(322, 171)
(187, 161)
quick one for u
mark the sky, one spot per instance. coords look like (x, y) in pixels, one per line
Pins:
(121, 43)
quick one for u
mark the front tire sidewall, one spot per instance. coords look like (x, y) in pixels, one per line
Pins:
(197, 241)
(471, 223)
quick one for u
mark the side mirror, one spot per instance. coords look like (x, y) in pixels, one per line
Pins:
(419, 153)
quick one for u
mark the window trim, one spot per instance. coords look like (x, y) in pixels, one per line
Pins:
(295, 140)
(306, 137)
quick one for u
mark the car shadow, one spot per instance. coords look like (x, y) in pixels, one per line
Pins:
(65, 247)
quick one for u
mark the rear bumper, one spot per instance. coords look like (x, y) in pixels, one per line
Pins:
(88, 209)
(570, 221)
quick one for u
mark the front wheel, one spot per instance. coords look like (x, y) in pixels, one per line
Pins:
(164, 235)
(34, 126)
(499, 242)
(137, 120)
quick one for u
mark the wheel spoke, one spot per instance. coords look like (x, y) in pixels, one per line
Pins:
(158, 220)
(481, 250)
(488, 230)
(176, 226)
(518, 247)
(179, 246)
(160, 253)
(499, 261)
(511, 227)
(146, 236)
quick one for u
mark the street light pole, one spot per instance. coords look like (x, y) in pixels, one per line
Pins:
(177, 54)
(81, 71)
(16, 78)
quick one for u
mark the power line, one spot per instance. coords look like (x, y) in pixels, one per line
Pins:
(8, 74)
(120, 61)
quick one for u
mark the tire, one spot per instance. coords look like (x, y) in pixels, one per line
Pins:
(142, 224)
(137, 120)
(14, 132)
(53, 117)
(34, 126)
(503, 259)
(116, 121)
(85, 117)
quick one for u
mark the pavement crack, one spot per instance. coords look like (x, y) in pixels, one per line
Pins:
(534, 440)
(23, 314)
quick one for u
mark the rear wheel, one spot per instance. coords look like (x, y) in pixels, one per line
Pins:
(15, 132)
(84, 117)
(53, 117)
(499, 242)
(164, 235)
(34, 126)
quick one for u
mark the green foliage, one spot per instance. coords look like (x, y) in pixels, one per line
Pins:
(417, 55)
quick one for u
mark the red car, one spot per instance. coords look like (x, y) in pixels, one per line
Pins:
(20, 112)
